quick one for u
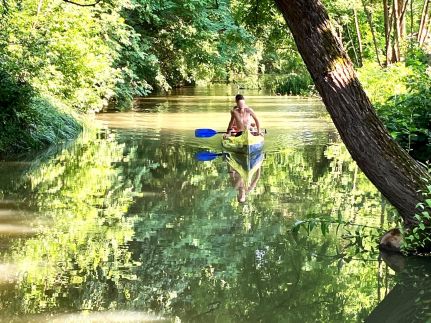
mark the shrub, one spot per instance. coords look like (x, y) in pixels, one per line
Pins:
(29, 121)
(401, 95)
(290, 84)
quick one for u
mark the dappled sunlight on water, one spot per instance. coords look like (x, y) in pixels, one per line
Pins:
(126, 224)
(289, 121)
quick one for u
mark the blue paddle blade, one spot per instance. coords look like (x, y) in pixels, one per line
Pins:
(205, 133)
(206, 155)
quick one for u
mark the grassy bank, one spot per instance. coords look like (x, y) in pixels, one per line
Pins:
(42, 124)
(30, 120)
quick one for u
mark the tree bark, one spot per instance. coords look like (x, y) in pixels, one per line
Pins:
(386, 17)
(399, 10)
(384, 162)
(353, 47)
(411, 24)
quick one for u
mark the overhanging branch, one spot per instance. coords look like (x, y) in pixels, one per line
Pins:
(5, 6)
(83, 4)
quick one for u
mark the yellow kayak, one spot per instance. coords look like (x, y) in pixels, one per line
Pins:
(246, 143)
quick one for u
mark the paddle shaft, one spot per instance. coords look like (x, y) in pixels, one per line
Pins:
(206, 133)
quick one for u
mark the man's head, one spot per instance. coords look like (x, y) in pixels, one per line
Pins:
(240, 101)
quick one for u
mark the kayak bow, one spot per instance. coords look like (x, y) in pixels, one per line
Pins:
(246, 143)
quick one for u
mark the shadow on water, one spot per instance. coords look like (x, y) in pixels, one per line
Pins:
(130, 222)
(410, 299)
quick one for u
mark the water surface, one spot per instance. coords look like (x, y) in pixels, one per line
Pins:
(126, 225)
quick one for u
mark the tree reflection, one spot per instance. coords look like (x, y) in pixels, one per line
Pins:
(140, 225)
(410, 299)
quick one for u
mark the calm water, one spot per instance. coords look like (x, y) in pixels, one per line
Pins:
(125, 225)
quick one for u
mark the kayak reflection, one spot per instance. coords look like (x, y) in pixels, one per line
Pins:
(244, 171)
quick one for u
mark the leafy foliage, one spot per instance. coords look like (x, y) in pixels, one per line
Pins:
(86, 58)
(29, 121)
(418, 239)
(402, 97)
(290, 84)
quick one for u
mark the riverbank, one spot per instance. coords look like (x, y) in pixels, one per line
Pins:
(39, 123)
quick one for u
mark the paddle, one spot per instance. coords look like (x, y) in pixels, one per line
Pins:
(207, 155)
(206, 133)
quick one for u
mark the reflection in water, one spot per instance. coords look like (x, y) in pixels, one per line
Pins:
(410, 299)
(244, 172)
(93, 317)
(130, 221)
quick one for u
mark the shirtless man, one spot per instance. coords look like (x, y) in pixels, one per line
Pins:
(240, 117)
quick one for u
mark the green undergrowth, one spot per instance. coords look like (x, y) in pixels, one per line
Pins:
(418, 239)
(31, 121)
(290, 84)
(381, 84)
(41, 124)
(401, 95)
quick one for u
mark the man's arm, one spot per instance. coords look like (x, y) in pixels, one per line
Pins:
(255, 119)
(229, 127)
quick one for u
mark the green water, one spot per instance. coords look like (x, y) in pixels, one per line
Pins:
(125, 225)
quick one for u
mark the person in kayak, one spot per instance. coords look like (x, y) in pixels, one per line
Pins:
(240, 118)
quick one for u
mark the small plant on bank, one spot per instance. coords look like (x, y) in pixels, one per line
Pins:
(418, 239)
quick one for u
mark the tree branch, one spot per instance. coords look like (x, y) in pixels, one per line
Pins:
(81, 4)
(6, 7)
(215, 7)
(404, 9)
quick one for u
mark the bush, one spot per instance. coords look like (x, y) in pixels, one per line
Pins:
(380, 84)
(29, 121)
(418, 238)
(408, 117)
(290, 84)
(401, 95)
(14, 95)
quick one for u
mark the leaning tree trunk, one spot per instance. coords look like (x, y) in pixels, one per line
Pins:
(383, 161)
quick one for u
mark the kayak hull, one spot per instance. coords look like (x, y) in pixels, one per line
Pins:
(247, 143)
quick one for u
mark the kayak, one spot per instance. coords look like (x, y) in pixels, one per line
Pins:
(246, 143)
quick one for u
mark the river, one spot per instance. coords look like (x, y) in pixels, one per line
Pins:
(126, 225)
